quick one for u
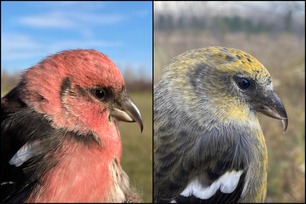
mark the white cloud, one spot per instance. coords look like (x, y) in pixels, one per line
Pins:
(20, 46)
(65, 19)
(71, 5)
(98, 19)
(50, 20)
(77, 44)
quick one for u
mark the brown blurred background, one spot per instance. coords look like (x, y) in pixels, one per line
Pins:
(274, 33)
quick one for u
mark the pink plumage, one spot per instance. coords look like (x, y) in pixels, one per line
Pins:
(60, 122)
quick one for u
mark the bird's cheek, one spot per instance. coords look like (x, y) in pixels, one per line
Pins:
(82, 115)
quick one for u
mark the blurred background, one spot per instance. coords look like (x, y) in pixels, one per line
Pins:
(30, 31)
(274, 33)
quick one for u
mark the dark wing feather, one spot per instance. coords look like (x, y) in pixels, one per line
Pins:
(179, 157)
(21, 124)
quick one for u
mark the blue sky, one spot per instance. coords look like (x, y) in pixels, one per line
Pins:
(30, 31)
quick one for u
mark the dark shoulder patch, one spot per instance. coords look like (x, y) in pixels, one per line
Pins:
(17, 128)
(27, 125)
(11, 102)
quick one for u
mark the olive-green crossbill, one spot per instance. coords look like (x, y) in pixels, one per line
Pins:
(208, 143)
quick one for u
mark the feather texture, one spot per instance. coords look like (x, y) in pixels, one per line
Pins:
(59, 135)
(208, 143)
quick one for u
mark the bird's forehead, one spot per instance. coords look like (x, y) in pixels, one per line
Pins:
(236, 61)
(89, 68)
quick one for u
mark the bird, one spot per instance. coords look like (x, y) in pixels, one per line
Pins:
(208, 142)
(60, 140)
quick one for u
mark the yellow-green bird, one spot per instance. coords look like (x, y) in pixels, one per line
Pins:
(208, 143)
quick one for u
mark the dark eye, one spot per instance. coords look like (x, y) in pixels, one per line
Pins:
(100, 93)
(243, 83)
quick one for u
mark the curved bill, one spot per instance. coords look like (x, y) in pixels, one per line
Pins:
(127, 112)
(272, 106)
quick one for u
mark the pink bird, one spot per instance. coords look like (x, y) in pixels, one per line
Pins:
(59, 136)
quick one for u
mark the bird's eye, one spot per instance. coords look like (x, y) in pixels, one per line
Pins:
(100, 94)
(243, 83)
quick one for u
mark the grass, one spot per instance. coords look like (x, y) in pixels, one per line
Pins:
(137, 147)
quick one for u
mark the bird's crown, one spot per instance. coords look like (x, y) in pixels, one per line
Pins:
(229, 60)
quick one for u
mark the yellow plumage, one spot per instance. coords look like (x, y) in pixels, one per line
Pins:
(208, 143)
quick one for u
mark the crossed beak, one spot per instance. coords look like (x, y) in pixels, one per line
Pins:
(272, 106)
(127, 111)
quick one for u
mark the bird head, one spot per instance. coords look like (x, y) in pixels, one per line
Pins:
(222, 85)
(79, 90)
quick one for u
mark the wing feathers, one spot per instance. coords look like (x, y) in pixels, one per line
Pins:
(227, 183)
(25, 153)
